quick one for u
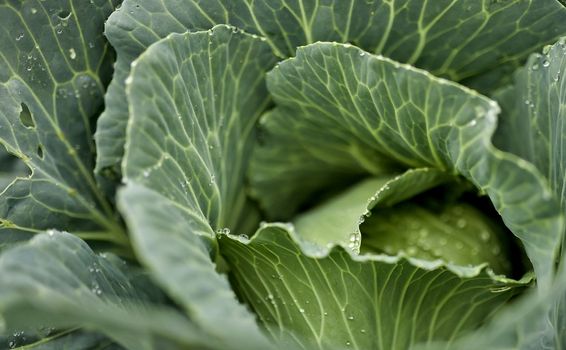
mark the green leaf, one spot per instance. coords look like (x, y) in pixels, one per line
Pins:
(534, 112)
(335, 299)
(53, 69)
(338, 220)
(536, 321)
(175, 250)
(339, 107)
(194, 100)
(11, 168)
(64, 340)
(427, 34)
(56, 279)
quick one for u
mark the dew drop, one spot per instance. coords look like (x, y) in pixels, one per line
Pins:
(19, 36)
(301, 310)
(484, 235)
(351, 318)
(72, 53)
(545, 63)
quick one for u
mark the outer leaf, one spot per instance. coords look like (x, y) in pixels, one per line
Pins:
(170, 245)
(194, 100)
(65, 340)
(427, 34)
(56, 279)
(535, 113)
(339, 107)
(361, 302)
(53, 69)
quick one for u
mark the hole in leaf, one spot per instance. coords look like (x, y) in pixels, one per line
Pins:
(40, 151)
(64, 14)
(25, 117)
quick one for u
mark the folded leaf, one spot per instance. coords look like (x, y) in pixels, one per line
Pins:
(380, 109)
(338, 219)
(53, 69)
(56, 279)
(335, 299)
(169, 244)
(194, 100)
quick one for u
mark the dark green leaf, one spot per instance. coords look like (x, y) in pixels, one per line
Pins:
(55, 279)
(53, 70)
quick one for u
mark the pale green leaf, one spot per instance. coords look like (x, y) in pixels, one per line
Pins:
(53, 70)
(339, 107)
(458, 39)
(338, 220)
(320, 299)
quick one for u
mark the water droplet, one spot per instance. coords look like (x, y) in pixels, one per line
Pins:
(545, 63)
(91, 44)
(461, 223)
(473, 122)
(19, 36)
(351, 318)
(484, 235)
(301, 310)
(243, 237)
(145, 173)
(535, 66)
(363, 331)
(348, 343)
(72, 53)
(33, 10)
(362, 54)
